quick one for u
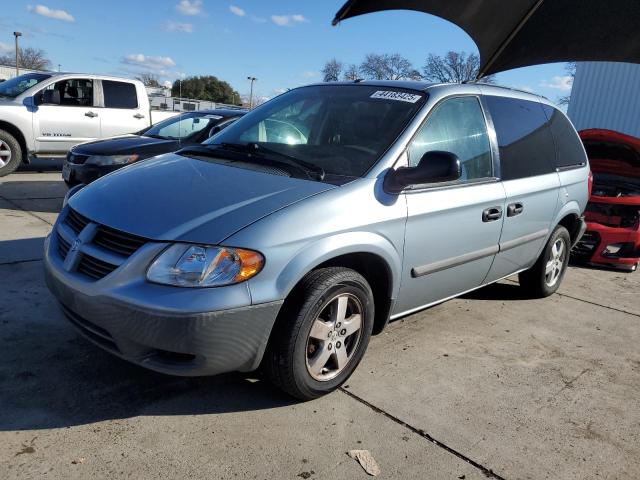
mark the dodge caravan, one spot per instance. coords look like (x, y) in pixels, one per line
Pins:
(290, 237)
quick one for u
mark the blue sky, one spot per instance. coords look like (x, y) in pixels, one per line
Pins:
(284, 43)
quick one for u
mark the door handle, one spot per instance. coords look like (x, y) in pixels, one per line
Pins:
(492, 214)
(91, 114)
(514, 209)
(138, 116)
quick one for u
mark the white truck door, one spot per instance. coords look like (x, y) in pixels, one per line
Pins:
(125, 111)
(66, 115)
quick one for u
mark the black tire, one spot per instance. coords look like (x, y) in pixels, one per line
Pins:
(8, 143)
(535, 280)
(286, 358)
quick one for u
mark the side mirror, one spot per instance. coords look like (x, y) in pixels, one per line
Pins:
(48, 97)
(434, 167)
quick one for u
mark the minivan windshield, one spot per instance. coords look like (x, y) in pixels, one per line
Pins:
(15, 86)
(340, 130)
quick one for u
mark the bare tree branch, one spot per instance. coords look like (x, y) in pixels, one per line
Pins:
(332, 70)
(454, 67)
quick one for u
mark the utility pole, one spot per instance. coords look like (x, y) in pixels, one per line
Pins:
(251, 79)
(17, 34)
(58, 67)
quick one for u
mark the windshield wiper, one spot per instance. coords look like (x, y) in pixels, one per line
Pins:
(251, 148)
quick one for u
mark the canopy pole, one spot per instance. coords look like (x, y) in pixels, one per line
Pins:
(508, 40)
(342, 12)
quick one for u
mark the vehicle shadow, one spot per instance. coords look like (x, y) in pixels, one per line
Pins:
(51, 377)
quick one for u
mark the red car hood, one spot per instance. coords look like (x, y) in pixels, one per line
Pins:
(612, 152)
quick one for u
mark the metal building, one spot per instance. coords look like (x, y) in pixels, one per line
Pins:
(606, 95)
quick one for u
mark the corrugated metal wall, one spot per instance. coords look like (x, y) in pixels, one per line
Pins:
(606, 95)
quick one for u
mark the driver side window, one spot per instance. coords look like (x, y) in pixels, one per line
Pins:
(457, 125)
(75, 92)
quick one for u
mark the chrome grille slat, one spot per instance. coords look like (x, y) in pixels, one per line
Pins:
(101, 252)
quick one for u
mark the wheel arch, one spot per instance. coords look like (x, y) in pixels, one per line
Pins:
(371, 255)
(569, 217)
(18, 135)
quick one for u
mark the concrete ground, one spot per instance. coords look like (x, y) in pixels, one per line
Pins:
(487, 385)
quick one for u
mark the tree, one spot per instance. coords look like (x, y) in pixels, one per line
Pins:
(387, 67)
(454, 67)
(29, 58)
(570, 68)
(205, 88)
(149, 79)
(374, 67)
(331, 71)
(351, 73)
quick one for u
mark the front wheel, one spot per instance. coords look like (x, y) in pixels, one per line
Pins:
(544, 278)
(321, 334)
(10, 153)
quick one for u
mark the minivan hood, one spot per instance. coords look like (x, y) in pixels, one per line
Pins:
(172, 198)
(128, 144)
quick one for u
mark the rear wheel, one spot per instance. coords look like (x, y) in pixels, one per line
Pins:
(10, 153)
(544, 278)
(321, 334)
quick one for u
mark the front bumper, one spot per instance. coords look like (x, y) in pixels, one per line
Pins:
(172, 330)
(590, 249)
(86, 173)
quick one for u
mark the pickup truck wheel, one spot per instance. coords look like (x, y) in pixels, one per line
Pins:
(321, 334)
(544, 278)
(10, 153)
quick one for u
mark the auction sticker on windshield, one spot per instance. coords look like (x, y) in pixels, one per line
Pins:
(400, 96)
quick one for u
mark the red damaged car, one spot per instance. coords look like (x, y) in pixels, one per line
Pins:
(613, 212)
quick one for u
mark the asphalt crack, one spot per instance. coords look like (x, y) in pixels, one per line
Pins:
(28, 212)
(485, 470)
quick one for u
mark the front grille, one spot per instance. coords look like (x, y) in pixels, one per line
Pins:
(63, 247)
(106, 239)
(118, 242)
(76, 221)
(94, 267)
(613, 215)
(587, 245)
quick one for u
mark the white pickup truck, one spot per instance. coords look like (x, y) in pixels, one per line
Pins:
(45, 114)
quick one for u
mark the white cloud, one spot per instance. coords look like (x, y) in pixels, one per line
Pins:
(50, 13)
(237, 11)
(278, 91)
(167, 84)
(287, 20)
(5, 48)
(558, 82)
(151, 62)
(190, 7)
(310, 74)
(178, 27)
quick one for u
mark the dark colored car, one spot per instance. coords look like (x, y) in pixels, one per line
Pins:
(613, 213)
(88, 161)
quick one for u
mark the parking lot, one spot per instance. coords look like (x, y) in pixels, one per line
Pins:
(490, 384)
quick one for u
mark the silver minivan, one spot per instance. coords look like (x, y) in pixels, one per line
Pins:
(291, 237)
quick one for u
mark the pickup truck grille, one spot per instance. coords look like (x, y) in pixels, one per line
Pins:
(109, 247)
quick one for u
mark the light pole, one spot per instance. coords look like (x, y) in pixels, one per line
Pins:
(251, 79)
(17, 34)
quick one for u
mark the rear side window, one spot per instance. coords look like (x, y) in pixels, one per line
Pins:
(119, 94)
(526, 145)
(456, 125)
(568, 144)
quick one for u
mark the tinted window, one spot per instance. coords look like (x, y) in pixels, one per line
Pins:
(15, 86)
(568, 144)
(183, 126)
(526, 145)
(119, 94)
(76, 92)
(457, 126)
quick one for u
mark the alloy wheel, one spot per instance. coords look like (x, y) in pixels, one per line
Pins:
(5, 154)
(555, 264)
(334, 337)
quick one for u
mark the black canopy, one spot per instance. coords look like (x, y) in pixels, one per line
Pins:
(519, 33)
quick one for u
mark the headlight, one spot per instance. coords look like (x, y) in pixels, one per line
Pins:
(102, 160)
(185, 265)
